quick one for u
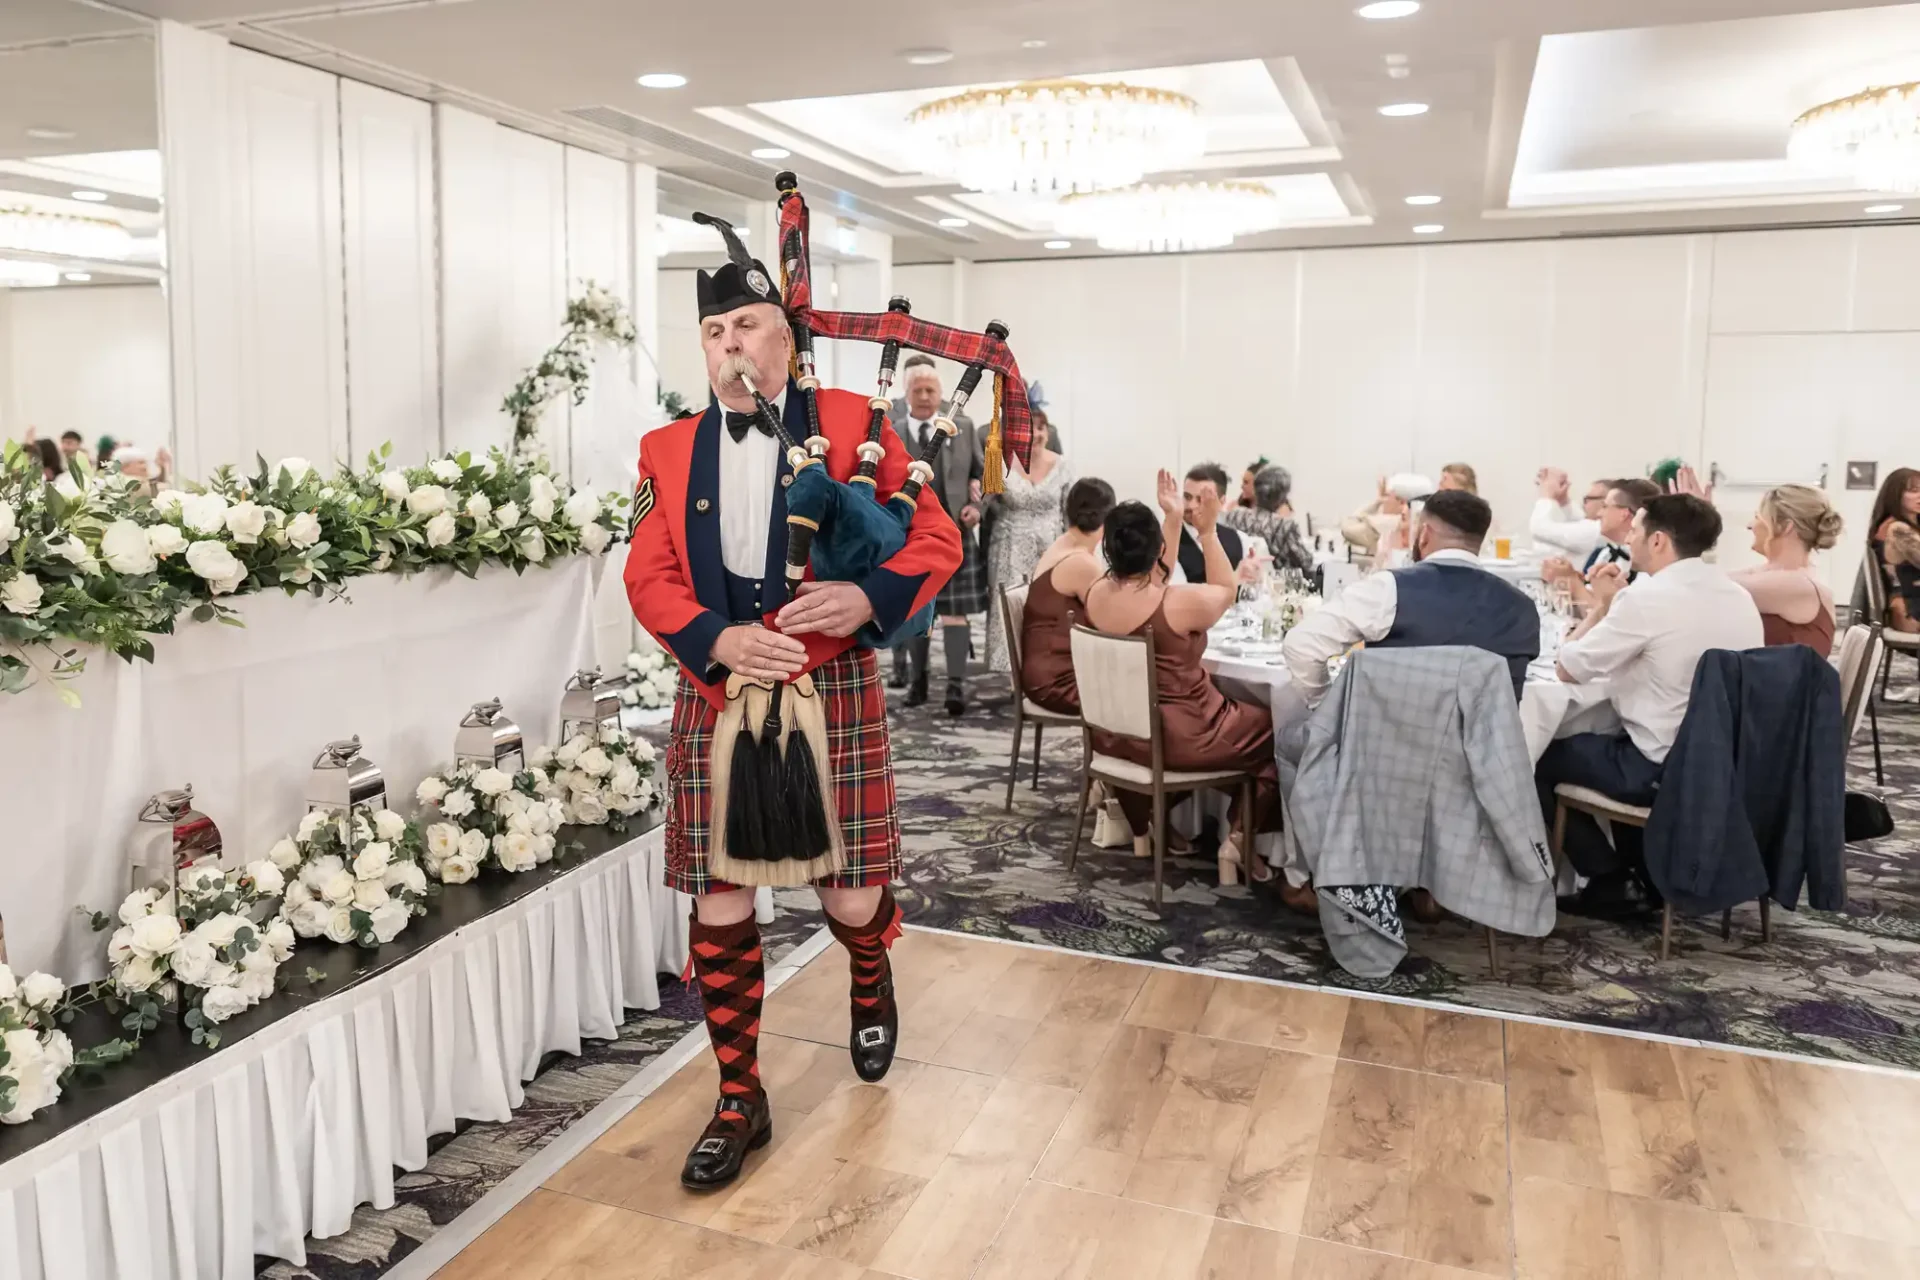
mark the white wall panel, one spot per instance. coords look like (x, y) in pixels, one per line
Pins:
(1783, 281)
(284, 129)
(1886, 278)
(91, 360)
(392, 306)
(1241, 339)
(599, 245)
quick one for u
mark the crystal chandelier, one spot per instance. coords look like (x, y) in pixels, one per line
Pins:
(1873, 135)
(63, 235)
(1050, 137)
(1170, 217)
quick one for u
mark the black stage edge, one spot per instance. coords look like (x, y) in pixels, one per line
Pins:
(168, 1049)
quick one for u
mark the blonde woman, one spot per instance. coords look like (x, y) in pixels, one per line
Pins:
(1792, 522)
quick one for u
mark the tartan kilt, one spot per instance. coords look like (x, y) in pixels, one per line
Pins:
(859, 756)
(966, 591)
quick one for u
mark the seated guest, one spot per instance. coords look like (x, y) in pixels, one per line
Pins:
(1893, 542)
(1792, 523)
(1206, 482)
(1459, 476)
(1270, 519)
(1624, 499)
(1254, 468)
(1201, 727)
(1644, 640)
(1554, 525)
(1056, 598)
(1443, 598)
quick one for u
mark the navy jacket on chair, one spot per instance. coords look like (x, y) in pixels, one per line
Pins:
(1754, 791)
(1441, 604)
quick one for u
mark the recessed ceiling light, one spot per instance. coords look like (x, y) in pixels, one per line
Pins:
(1883, 208)
(1381, 10)
(927, 57)
(91, 197)
(770, 153)
(1423, 200)
(78, 277)
(954, 222)
(44, 134)
(660, 80)
(1059, 244)
(1428, 229)
(1033, 44)
(1404, 109)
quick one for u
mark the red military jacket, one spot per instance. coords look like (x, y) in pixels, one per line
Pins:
(675, 577)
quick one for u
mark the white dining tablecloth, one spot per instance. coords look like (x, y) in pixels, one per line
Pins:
(279, 1136)
(240, 713)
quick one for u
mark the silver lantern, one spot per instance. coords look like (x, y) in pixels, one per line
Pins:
(170, 837)
(344, 782)
(489, 739)
(589, 705)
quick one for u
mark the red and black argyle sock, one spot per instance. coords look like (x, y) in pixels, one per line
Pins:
(867, 944)
(727, 962)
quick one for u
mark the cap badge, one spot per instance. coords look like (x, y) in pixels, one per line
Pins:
(758, 282)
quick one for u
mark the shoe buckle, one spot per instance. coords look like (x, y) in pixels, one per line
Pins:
(711, 1147)
(871, 1037)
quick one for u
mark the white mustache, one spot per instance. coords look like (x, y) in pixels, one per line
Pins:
(739, 369)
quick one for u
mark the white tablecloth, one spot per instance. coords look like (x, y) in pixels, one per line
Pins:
(241, 712)
(279, 1136)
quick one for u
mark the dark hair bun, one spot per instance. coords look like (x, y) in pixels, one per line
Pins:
(1089, 502)
(1132, 543)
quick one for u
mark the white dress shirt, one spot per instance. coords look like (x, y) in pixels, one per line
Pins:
(1364, 611)
(1648, 645)
(1557, 530)
(749, 469)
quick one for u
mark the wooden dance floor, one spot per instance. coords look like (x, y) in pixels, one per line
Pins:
(1065, 1116)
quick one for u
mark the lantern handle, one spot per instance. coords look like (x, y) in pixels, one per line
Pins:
(337, 755)
(584, 678)
(483, 713)
(155, 809)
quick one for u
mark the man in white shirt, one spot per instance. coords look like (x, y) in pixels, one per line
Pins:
(1555, 528)
(1644, 640)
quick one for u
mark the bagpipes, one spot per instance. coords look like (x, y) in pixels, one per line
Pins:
(775, 820)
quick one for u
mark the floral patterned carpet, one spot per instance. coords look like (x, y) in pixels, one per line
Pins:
(1843, 985)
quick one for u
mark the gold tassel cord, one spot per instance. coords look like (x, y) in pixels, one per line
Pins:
(993, 467)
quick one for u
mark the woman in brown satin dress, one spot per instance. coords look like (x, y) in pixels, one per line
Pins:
(1202, 728)
(1792, 523)
(1056, 599)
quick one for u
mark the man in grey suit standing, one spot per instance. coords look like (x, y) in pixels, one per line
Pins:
(957, 471)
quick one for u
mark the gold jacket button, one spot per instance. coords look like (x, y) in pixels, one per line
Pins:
(786, 482)
(701, 506)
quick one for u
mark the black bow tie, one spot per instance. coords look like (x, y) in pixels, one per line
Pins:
(738, 424)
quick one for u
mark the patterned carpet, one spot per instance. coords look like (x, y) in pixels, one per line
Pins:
(1829, 985)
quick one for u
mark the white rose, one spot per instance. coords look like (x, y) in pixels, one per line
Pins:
(479, 507)
(285, 854)
(296, 892)
(221, 930)
(59, 1050)
(310, 823)
(371, 862)
(640, 749)
(278, 939)
(120, 946)
(458, 804)
(543, 847)
(492, 782)
(582, 509)
(539, 819)
(42, 990)
(138, 905)
(9, 987)
(212, 561)
(309, 919)
(459, 868)
(596, 762)
(204, 512)
(507, 515)
(442, 839)
(368, 894)
(266, 877)
(155, 935)
(440, 529)
(430, 791)
(21, 594)
(521, 821)
(125, 546)
(445, 470)
(138, 974)
(624, 777)
(570, 750)
(393, 486)
(588, 810)
(389, 919)
(255, 985)
(167, 501)
(35, 1086)
(221, 1003)
(594, 539)
(407, 876)
(389, 825)
(164, 540)
(246, 521)
(515, 851)
(323, 869)
(340, 925)
(427, 500)
(9, 524)
(473, 845)
(533, 546)
(540, 507)
(194, 960)
(296, 469)
(303, 530)
(338, 888)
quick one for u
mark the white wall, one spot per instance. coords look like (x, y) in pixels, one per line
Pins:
(1769, 353)
(91, 360)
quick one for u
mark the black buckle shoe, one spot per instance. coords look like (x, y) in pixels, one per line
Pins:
(956, 701)
(716, 1158)
(917, 695)
(898, 680)
(872, 1046)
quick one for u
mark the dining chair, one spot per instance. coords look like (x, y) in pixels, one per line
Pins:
(1118, 696)
(1013, 612)
(1906, 642)
(1862, 649)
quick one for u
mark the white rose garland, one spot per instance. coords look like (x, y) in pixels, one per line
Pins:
(356, 880)
(481, 816)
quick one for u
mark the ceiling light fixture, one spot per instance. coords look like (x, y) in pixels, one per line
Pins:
(62, 234)
(1173, 217)
(27, 275)
(91, 197)
(660, 80)
(1873, 136)
(770, 153)
(1398, 109)
(1033, 44)
(1428, 229)
(78, 277)
(1883, 208)
(1420, 200)
(927, 57)
(954, 222)
(1059, 244)
(1051, 137)
(1381, 10)
(43, 133)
